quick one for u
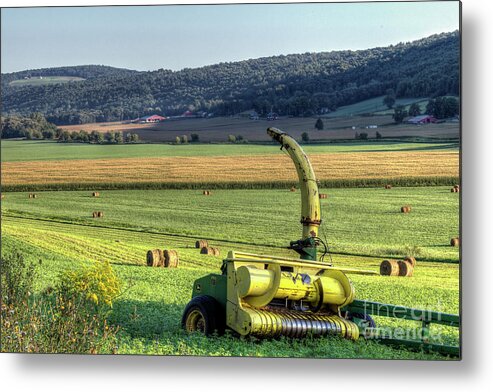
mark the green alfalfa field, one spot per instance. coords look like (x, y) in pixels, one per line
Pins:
(362, 227)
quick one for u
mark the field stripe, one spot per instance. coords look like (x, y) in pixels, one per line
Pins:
(224, 169)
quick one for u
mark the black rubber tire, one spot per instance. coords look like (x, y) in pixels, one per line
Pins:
(211, 316)
(366, 317)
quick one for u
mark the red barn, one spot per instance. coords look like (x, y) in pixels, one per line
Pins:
(152, 119)
(423, 119)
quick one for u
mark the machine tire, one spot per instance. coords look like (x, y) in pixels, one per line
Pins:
(203, 314)
(367, 317)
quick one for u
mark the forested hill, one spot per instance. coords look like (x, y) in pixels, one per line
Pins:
(80, 71)
(298, 84)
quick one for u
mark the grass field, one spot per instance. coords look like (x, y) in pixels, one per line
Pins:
(46, 80)
(364, 225)
(361, 225)
(24, 150)
(374, 105)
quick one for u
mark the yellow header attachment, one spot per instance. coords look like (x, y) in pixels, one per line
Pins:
(310, 203)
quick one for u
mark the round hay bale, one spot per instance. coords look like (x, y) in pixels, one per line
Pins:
(405, 268)
(206, 193)
(388, 186)
(208, 250)
(155, 258)
(100, 214)
(454, 241)
(30, 195)
(95, 214)
(322, 195)
(35, 195)
(95, 194)
(170, 258)
(411, 260)
(405, 209)
(293, 189)
(453, 190)
(201, 244)
(389, 268)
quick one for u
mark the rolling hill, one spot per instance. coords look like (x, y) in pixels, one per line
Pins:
(295, 85)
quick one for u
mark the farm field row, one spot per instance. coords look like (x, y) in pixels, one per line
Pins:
(233, 169)
(23, 150)
(57, 228)
(218, 129)
(356, 221)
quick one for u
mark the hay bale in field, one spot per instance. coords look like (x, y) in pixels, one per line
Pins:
(95, 194)
(2, 196)
(201, 244)
(293, 189)
(35, 195)
(389, 268)
(405, 209)
(206, 193)
(170, 258)
(411, 260)
(388, 186)
(95, 214)
(454, 190)
(100, 214)
(155, 258)
(405, 268)
(208, 250)
(454, 241)
(30, 195)
(322, 195)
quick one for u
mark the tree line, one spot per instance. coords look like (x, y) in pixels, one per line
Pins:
(293, 85)
(36, 126)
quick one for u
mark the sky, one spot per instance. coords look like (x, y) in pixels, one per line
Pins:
(147, 38)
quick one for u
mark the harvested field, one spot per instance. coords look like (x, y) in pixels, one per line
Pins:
(217, 129)
(224, 169)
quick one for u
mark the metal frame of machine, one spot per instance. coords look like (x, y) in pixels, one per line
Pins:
(269, 296)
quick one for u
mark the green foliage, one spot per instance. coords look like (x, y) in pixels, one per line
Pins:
(118, 138)
(194, 137)
(96, 283)
(305, 137)
(17, 278)
(57, 320)
(378, 135)
(414, 109)
(389, 99)
(443, 107)
(295, 85)
(33, 126)
(363, 136)
(319, 124)
(400, 114)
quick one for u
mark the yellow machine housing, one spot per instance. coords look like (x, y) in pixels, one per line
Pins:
(272, 296)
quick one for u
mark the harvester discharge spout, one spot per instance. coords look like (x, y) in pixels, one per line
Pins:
(310, 203)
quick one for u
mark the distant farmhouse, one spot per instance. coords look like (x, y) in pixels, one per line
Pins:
(150, 119)
(423, 119)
